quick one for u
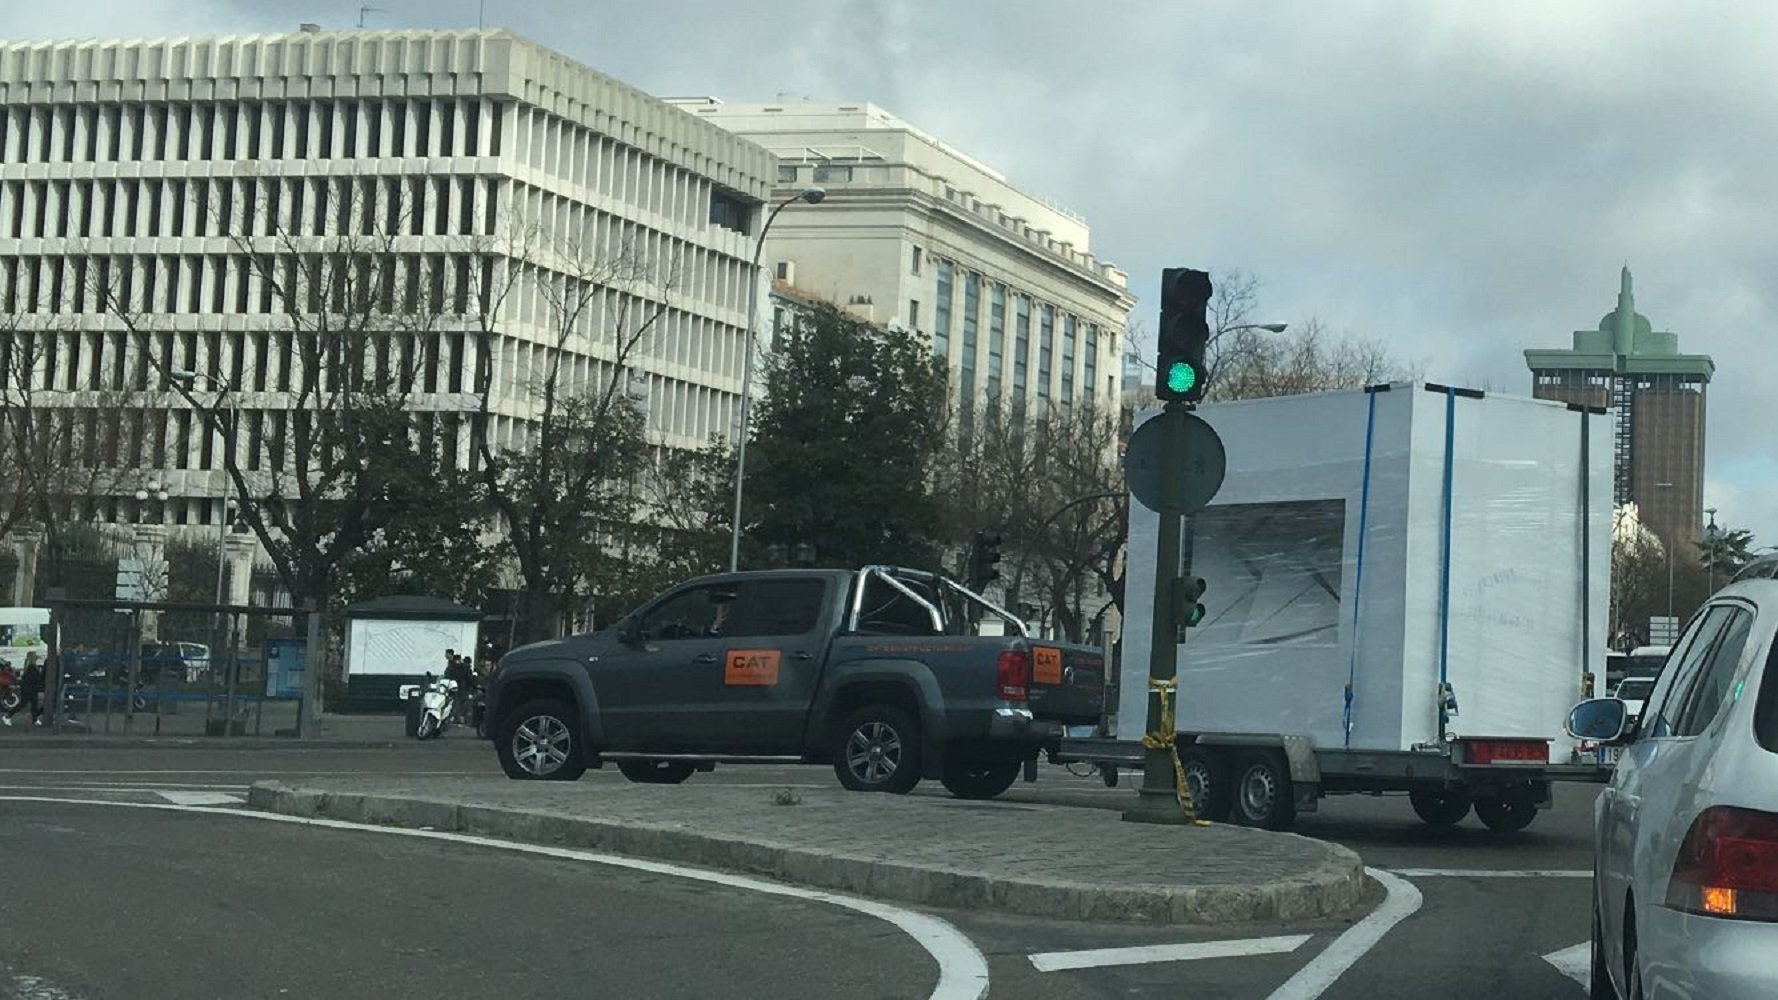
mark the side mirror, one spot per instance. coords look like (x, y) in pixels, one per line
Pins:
(1600, 720)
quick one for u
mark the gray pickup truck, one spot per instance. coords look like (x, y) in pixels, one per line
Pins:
(879, 672)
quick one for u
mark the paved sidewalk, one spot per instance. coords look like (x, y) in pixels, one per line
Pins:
(1041, 860)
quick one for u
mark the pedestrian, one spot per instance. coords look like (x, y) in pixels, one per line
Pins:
(30, 691)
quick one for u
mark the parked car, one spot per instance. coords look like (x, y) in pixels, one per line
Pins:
(879, 672)
(1685, 892)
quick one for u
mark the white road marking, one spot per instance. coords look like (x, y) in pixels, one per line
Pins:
(1576, 963)
(1056, 961)
(1493, 873)
(1313, 979)
(184, 798)
(32, 988)
(962, 970)
(122, 786)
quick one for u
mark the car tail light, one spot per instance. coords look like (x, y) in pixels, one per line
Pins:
(1728, 865)
(1012, 675)
(1506, 751)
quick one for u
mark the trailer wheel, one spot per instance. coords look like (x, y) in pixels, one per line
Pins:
(1263, 793)
(1440, 807)
(1207, 779)
(1510, 811)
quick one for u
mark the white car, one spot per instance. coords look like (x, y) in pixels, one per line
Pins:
(1685, 887)
(1634, 692)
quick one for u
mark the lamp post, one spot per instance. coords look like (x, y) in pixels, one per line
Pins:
(1711, 534)
(234, 421)
(813, 196)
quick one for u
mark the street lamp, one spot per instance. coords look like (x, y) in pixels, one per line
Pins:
(1711, 535)
(222, 388)
(154, 490)
(813, 196)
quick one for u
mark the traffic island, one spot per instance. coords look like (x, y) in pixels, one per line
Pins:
(1035, 860)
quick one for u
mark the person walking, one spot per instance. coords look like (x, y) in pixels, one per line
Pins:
(30, 691)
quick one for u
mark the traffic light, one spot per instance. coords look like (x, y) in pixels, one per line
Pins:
(1189, 612)
(984, 553)
(1180, 373)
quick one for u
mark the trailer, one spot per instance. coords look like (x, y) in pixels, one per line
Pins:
(1407, 591)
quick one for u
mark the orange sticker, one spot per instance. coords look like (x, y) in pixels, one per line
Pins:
(1047, 663)
(751, 668)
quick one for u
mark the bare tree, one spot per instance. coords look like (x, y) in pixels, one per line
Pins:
(1251, 363)
(564, 477)
(352, 309)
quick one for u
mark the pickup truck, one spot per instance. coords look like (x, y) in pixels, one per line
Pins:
(879, 672)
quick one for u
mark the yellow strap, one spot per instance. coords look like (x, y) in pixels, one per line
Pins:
(1164, 739)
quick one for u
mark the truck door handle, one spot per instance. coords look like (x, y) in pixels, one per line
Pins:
(800, 655)
(704, 658)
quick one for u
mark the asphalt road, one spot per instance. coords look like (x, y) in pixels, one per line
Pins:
(330, 913)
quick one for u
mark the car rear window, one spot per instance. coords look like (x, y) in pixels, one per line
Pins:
(1765, 715)
(1637, 690)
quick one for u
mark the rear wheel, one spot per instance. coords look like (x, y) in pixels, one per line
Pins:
(877, 749)
(1207, 779)
(655, 772)
(1442, 806)
(978, 780)
(10, 700)
(1263, 793)
(1509, 812)
(539, 742)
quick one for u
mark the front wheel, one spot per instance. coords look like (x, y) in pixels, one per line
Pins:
(1509, 812)
(539, 742)
(1263, 793)
(655, 772)
(877, 749)
(427, 728)
(1440, 807)
(977, 780)
(1599, 987)
(1207, 780)
(10, 700)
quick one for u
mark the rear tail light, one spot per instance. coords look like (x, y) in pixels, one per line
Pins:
(1012, 675)
(1728, 865)
(1506, 751)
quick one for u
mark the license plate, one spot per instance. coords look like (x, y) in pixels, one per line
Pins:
(1609, 755)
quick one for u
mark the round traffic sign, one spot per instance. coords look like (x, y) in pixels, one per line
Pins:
(1204, 466)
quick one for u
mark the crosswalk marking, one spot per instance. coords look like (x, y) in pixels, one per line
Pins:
(1576, 962)
(1056, 961)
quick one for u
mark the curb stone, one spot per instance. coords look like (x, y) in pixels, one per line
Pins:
(1335, 886)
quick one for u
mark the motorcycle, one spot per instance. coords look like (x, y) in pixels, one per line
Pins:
(438, 705)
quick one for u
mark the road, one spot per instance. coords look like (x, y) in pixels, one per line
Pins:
(122, 901)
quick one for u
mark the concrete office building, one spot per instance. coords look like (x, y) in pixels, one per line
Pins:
(156, 168)
(917, 235)
(1658, 395)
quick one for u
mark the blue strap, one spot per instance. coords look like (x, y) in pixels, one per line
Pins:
(1364, 511)
(1444, 584)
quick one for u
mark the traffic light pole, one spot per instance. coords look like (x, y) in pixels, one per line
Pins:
(1159, 799)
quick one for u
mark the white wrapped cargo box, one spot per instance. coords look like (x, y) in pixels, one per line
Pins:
(1388, 543)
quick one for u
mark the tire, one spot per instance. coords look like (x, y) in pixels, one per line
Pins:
(1632, 964)
(428, 727)
(411, 713)
(541, 742)
(1440, 807)
(1262, 791)
(978, 780)
(1509, 812)
(655, 772)
(1599, 985)
(877, 749)
(1207, 778)
(11, 700)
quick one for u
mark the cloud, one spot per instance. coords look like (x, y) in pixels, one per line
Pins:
(1462, 178)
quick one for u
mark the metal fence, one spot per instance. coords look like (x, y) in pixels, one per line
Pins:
(162, 669)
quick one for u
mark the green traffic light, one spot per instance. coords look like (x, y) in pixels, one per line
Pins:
(1181, 377)
(1194, 615)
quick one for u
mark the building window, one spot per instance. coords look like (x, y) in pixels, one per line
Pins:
(1021, 343)
(787, 173)
(972, 307)
(729, 212)
(1068, 323)
(830, 174)
(914, 268)
(996, 338)
(1091, 362)
(914, 313)
(1046, 349)
(941, 312)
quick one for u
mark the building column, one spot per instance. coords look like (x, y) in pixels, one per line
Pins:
(26, 540)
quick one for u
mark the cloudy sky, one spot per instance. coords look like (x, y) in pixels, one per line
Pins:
(1463, 179)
